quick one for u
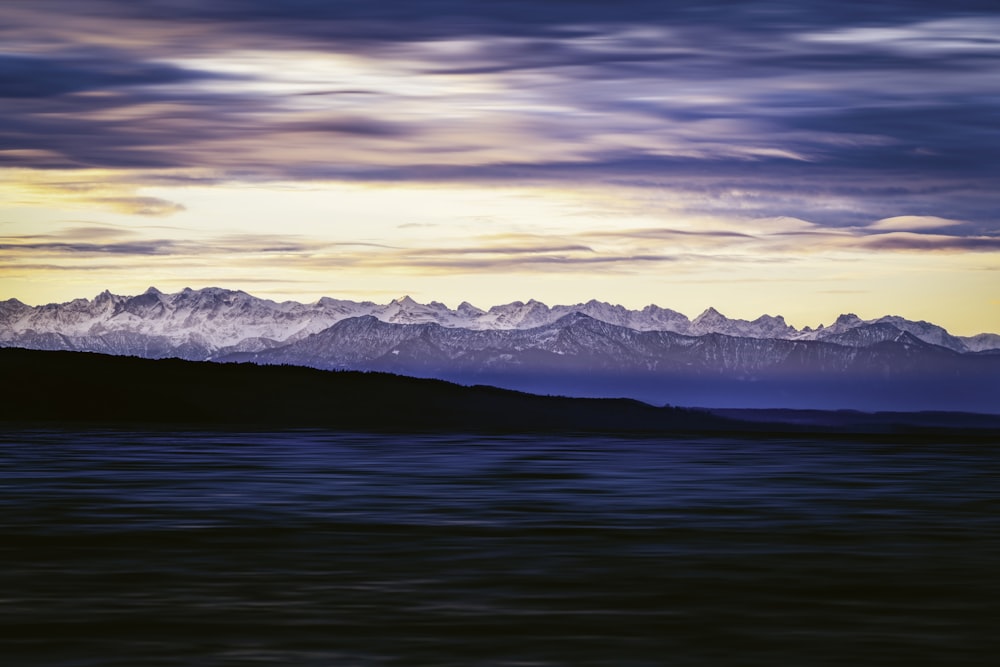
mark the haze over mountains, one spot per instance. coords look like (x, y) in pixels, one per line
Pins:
(590, 349)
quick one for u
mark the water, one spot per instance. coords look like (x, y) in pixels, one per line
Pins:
(315, 548)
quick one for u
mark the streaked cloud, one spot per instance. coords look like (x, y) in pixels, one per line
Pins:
(909, 223)
(932, 242)
(774, 241)
(499, 138)
(97, 189)
(339, 91)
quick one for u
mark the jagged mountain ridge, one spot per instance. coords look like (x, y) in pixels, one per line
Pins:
(581, 356)
(206, 321)
(889, 363)
(581, 343)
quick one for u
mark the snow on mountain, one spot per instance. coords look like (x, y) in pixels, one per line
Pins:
(526, 315)
(575, 341)
(516, 315)
(925, 331)
(983, 342)
(214, 322)
(468, 311)
(843, 323)
(851, 330)
(861, 335)
(211, 317)
(655, 318)
(11, 309)
(580, 346)
(405, 310)
(765, 326)
(587, 349)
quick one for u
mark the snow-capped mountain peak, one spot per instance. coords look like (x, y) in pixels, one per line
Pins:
(212, 319)
(765, 326)
(848, 320)
(709, 321)
(466, 309)
(579, 348)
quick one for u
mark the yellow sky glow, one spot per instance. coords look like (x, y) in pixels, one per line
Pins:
(582, 161)
(485, 244)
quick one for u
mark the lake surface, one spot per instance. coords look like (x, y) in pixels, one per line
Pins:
(318, 548)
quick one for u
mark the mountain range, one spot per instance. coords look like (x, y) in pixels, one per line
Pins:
(590, 349)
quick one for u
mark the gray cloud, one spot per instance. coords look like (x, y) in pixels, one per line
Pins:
(141, 248)
(667, 234)
(500, 250)
(928, 242)
(89, 232)
(369, 127)
(34, 76)
(448, 262)
(437, 19)
(836, 112)
(72, 242)
(142, 205)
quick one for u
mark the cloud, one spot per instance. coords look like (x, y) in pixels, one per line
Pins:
(835, 112)
(75, 241)
(911, 223)
(501, 250)
(446, 262)
(43, 76)
(672, 234)
(908, 241)
(347, 125)
(83, 188)
(437, 19)
(89, 232)
(141, 205)
(140, 248)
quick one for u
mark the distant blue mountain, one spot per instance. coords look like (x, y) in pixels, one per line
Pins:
(593, 349)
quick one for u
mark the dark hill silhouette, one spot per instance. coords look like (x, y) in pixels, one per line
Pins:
(87, 387)
(58, 387)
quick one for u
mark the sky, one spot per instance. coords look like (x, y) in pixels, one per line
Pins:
(803, 158)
